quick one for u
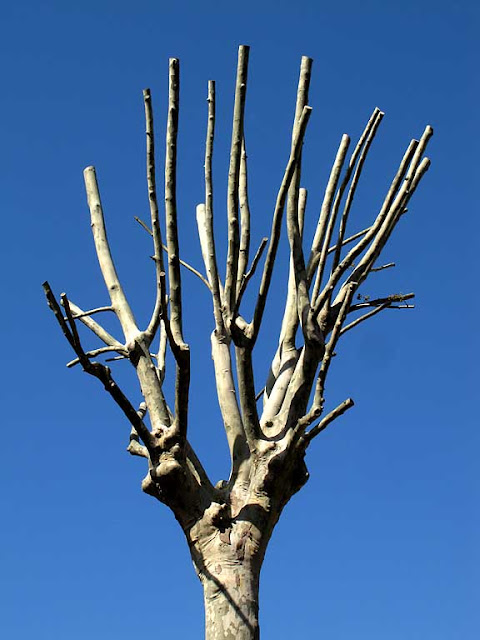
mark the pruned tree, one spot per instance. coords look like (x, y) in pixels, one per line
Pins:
(228, 525)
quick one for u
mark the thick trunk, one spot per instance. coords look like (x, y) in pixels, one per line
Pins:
(231, 602)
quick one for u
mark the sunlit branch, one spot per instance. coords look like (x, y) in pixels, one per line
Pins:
(328, 419)
(160, 308)
(244, 221)
(112, 282)
(233, 178)
(276, 223)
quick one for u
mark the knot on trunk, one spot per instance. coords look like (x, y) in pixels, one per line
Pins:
(218, 515)
(168, 470)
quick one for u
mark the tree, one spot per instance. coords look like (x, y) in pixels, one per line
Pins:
(228, 525)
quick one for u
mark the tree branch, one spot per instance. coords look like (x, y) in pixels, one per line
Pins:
(195, 272)
(233, 178)
(370, 314)
(330, 417)
(388, 213)
(160, 307)
(112, 282)
(98, 330)
(365, 139)
(276, 224)
(319, 237)
(175, 295)
(244, 221)
(395, 297)
(363, 145)
(97, 352)
(179, 347)
(95, 369)
(331, 344)
(205, 217)
(250, 273)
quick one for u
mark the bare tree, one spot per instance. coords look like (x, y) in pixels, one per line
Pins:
(228, 525)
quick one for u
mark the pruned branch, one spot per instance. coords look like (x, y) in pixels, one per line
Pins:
(277, 221)
(363, 145)
(175, 294)
(360, 153)
(319, 238)
(117, 295)
(233, 178)
(205, 217)
(179, 347)
(293, 224)
(379, 232)
(244, 221)
(250, 273)
(160, 306)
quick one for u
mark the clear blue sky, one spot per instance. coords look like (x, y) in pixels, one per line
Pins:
(382, 543)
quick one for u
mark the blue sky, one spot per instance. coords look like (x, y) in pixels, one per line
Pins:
(383, 540)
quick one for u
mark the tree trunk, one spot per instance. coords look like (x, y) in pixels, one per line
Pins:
(231, 602)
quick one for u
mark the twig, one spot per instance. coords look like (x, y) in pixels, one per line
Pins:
(96, 352)
(385, 305)
(355, 236)
(330, 417)
(97, 329)
(395, 297)
(84, 314)
(250, 273)
(331, 344)
(182, 262)
(356, 322)
(259, 394)
(389, 265)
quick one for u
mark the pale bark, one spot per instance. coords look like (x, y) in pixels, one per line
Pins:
(228, 525)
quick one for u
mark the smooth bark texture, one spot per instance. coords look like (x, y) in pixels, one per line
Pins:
(228, 525)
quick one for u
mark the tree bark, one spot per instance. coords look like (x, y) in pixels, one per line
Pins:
(231, 602)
